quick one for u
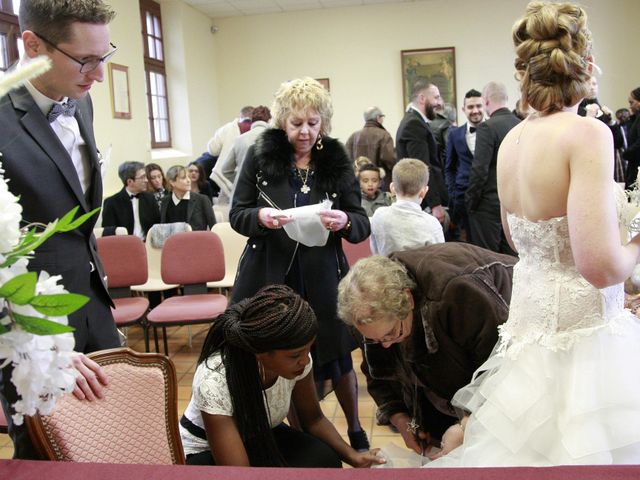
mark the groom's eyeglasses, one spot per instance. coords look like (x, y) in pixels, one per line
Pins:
(87, 65)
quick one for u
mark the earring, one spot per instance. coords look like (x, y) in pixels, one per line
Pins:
(319, 145)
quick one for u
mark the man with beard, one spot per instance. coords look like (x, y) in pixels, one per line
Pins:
(481, 197)
(461, 144)
(414, 139)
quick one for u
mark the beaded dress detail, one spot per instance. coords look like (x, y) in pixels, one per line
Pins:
(561, 386)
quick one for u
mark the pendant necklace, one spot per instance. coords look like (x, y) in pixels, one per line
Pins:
(413, 426)
(305, 188)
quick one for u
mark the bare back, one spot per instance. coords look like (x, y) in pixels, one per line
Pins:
(534, 166)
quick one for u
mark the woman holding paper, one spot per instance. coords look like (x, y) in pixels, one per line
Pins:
(293, 165)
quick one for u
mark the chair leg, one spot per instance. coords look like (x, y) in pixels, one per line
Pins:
(190, 336)
(166, 344)
(145, 331)
(155, 338)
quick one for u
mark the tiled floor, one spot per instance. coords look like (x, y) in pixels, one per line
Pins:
(185, 357)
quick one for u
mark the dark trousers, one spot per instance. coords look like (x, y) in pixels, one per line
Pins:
(485, 230)
(94, 330)
(299, 450)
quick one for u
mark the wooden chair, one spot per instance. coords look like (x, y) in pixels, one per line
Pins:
(233, 244)
(135, 422)
(190, 259)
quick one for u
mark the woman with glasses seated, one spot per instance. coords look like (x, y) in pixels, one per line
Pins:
(428, 318)
(183, 205)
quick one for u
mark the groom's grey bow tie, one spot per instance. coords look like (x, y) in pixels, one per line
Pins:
(68, 109)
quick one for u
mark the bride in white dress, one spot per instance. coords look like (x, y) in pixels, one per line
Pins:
(562, 385)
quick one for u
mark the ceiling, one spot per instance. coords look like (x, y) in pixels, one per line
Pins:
(235, 8)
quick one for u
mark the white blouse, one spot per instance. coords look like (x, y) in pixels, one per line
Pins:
(210, 394)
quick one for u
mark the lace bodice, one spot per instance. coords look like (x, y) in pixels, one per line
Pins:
(552, 304)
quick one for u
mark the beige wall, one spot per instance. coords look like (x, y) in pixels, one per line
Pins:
(358, 48)
(191, 73)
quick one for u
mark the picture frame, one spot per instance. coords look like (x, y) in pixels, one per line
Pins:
(325, 83)
(435, 65)
(119, 87)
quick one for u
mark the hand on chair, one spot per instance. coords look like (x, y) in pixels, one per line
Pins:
(90, 380)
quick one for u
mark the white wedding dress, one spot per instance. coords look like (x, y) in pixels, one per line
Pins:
(562, 385)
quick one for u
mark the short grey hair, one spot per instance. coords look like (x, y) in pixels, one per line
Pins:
(128, 170)
(375, 289)
(175, 172)
(372, 113)
(496, 92)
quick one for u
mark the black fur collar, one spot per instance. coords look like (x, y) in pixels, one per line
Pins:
(333, 168)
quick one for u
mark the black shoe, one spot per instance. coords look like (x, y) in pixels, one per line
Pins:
(359, 440)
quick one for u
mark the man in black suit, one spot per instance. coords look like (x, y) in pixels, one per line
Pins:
(132, 207)
(52, 163)
(481, 198)
(414, 139)
(632, 153)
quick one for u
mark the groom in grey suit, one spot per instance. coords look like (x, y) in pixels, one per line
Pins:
(52, 163)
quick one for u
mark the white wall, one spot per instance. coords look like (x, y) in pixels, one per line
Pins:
(358, 48)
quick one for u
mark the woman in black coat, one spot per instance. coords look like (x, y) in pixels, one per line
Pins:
(183, 205)
(293, 165)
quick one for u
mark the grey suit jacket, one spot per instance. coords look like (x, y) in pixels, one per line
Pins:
(40, 171)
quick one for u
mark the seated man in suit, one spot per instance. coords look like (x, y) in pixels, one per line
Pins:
(132, 207)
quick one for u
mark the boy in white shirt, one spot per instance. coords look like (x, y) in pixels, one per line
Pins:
(404, 225)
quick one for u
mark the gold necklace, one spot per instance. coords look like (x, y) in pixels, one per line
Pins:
(305, 188)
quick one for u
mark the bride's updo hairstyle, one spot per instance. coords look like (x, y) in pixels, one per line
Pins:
(552, 44)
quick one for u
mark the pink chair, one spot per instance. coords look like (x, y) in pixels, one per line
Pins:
(135, 422)
(356, 251)
(125, 263)
(190, 259)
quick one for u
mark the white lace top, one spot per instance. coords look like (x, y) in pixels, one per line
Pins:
(551, 303)
(210, 394)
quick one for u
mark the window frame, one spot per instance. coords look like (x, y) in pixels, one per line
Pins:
(155, 66)
(10, 27)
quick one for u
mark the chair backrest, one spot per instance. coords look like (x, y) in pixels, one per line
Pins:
(190, 258)
(125, 260)
(233, 243)
(135, 422)
(356, 251)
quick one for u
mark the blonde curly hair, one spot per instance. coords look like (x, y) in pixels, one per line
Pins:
(302, 95)
(553, 45)
(375, 289)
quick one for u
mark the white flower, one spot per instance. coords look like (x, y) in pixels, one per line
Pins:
(42, 365)
(10, 216)
(24, 72)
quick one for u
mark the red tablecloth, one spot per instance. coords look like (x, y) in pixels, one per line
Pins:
(32, 470)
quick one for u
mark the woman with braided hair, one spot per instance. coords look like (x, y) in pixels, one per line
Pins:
(256, 361)
(560, 387)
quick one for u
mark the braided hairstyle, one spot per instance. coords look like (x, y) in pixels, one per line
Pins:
(553, 44)
(276, 318)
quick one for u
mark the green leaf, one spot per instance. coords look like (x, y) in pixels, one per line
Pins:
(21, 289)
(40, 326)
(3, 329)
(80, 220)
(59, 304)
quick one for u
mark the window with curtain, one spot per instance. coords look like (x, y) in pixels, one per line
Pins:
(155, 73)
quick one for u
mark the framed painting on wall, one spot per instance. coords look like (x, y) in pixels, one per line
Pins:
(325, 83)
(119, 83)
(435, 65)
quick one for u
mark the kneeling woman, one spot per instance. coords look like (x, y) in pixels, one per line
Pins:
(255, 361)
